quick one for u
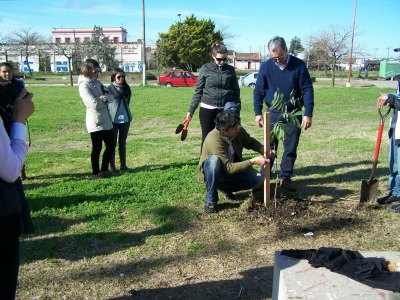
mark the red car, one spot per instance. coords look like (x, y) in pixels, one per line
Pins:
(178, 78)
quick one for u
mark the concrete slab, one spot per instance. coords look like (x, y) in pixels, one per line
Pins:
(296, 279)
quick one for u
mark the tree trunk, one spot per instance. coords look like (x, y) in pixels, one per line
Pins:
(70, 70)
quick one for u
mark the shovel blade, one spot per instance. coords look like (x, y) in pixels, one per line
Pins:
(368, 190)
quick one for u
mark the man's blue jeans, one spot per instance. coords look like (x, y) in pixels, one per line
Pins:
(394, 166)
(216, 178)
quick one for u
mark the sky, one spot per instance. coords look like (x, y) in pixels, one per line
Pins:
(250, 23)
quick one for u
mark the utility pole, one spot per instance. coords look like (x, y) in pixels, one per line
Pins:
(143, 46)
(348, 84)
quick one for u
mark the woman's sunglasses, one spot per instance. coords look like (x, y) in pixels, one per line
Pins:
(221, 59)
(121, 76)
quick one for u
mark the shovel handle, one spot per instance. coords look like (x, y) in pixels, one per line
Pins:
(383, 116)
(378, 142)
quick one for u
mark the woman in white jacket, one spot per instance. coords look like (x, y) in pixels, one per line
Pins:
(98, 119)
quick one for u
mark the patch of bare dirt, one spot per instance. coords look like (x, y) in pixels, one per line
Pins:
(300, 216)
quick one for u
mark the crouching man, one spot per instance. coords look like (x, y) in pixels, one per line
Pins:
(221, 165)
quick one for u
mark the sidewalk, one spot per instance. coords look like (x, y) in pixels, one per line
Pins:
(340, 82)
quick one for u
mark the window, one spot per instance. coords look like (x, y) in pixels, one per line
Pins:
(176, 75)
(58, 40)
(77, 40)
(67, 40)
(86, 39)
(115, 39)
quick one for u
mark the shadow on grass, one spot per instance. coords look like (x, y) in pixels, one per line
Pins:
(68, 201)
(255, 284)
(46, 224)
(88, 175)
(317, 186)
(343, 175)
(84, 245)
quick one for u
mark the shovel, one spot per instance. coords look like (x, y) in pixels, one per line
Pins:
(370, 186)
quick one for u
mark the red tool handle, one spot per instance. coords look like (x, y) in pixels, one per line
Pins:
(378, 142)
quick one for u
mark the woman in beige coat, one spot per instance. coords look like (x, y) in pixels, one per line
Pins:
(98, 119)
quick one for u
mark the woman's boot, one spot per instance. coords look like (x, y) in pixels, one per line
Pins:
(113, 169)
(122, 159)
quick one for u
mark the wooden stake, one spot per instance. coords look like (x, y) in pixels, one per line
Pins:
(267, 166)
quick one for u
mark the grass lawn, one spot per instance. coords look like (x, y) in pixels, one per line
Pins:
(143, 234)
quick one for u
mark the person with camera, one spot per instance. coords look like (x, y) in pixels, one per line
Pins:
(13, 87)
(15, 217)
(98, 119)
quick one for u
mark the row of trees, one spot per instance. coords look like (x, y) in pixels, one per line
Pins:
(187, 45)
(98, 46)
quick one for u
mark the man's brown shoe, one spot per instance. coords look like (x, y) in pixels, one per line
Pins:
(287, 184)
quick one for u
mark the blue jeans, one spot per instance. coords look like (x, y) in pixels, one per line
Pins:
(123, 129)
(394, 167)
(216, 178)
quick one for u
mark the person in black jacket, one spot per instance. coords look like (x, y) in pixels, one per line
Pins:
(216, 86)
(14, 211)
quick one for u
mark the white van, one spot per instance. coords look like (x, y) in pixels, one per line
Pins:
(249, 79)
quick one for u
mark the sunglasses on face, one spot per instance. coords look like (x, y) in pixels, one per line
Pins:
(276, 59)
(221, 59)
(121, 76)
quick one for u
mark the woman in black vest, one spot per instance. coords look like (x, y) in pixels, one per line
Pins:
(14, 212)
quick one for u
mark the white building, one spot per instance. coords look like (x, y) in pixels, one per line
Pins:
(128, 54)
(79, 35)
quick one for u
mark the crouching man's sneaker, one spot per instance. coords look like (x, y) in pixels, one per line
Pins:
(287, 184)
(387, 199)
(210, 208)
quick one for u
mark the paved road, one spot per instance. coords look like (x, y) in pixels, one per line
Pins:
(362, 82)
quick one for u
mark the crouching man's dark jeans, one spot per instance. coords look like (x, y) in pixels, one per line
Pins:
(216, 178)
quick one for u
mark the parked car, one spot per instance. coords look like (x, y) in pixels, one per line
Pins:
(249, 79)
(178, 78)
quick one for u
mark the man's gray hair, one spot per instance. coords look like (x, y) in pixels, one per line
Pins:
(277, 42)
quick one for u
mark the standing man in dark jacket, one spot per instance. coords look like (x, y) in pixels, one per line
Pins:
(290, 76)
(216, 86)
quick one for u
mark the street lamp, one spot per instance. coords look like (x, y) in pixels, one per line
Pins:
(179, 15)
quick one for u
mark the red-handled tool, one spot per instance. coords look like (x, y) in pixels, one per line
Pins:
(183, 128)
(370, 186)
